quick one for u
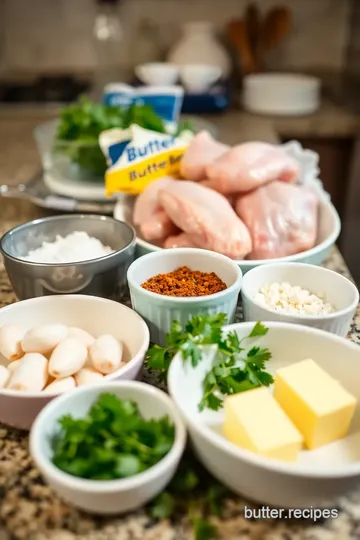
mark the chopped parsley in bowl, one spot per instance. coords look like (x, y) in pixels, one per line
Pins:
(109, 448)
(112, 441)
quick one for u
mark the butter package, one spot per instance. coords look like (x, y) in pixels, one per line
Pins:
(138, 156)
(166, 101)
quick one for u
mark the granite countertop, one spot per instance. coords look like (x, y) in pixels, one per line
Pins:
(29, 510)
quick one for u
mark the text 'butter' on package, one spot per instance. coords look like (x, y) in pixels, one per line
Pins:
(147, 156)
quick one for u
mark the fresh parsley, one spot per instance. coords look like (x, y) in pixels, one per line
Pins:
(81, 123)
(111, 441)
(194, 493)
(238, 365)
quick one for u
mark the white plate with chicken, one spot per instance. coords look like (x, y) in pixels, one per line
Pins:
(254, 202)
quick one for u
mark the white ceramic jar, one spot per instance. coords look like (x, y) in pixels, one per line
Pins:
(199, 45)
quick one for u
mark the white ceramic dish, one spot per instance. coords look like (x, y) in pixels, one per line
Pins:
(333, 287)
(107, 496)
(157, 73)
(160, 311)
(328, 233)
(93, 314)
(281, 94)
(61, 184)
(319, 476)
(197, 79)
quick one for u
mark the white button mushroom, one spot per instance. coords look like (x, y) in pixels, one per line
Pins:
(67, 358)
(106, 353)
(44, 339)
(12, 365)
(81, 335)
(88, 376)
(31, 374)
(61, 385)
(10, 341)
(4, 376)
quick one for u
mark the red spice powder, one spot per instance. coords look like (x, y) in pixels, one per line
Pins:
(185, 282)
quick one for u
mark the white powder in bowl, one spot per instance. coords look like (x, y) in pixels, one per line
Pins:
(75, 247)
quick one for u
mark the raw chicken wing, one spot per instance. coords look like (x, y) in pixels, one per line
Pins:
(148, 215)
(206, 217)
(179, 240)
(282, 219)
(248, 166)
(203, 149)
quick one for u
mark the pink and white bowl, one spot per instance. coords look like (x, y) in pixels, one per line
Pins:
(95, 315)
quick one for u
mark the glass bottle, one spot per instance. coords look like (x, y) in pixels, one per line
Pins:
(108, 37)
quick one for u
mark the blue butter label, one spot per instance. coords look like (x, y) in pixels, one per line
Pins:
(165, 101)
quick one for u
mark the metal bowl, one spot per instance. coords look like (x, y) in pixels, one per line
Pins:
(104, 276)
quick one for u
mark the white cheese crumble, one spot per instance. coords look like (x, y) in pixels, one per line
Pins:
(291, 299)
(75, 247)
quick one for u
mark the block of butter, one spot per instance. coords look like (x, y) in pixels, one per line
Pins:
(317, 404)
(255, 421)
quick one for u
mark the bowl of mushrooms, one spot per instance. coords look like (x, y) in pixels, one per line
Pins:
(54, 344)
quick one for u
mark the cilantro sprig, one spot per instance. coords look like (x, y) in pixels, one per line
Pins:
(111, 441)
(194, 493)
(237, 366)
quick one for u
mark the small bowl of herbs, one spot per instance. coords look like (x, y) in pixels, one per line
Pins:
(69, 146)
(109, 450)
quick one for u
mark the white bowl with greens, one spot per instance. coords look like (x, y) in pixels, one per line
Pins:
(198, 381)
(115, 448)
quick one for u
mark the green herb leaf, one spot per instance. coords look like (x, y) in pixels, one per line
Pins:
(210, 401)
(235, 369)
(81, 123)
(258, 330)
(203, 529)
(158, 358)
(163, 507)
(112, 441)
(200, 330)
(128, 465)
(193, 493)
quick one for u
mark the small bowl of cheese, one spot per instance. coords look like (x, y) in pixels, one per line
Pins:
(301, 294)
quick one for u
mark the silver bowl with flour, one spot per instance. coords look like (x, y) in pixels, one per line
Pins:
(103, 276)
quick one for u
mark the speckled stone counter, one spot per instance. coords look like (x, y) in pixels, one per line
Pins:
(29, 510)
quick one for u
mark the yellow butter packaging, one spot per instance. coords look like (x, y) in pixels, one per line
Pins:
(145, 156)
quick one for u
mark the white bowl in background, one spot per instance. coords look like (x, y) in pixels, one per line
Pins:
(281, 94)
(328, 232)
(331, 286)
(198, 78)
(320, 476)
(157, 73)
(107, 496)
(160, 311)
(91, 313)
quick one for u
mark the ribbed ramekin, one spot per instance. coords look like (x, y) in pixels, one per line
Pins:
(160, 311)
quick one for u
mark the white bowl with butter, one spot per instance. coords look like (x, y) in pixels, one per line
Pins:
(318, 476)
(338, 295)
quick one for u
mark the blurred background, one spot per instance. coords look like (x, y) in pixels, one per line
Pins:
(51, 52)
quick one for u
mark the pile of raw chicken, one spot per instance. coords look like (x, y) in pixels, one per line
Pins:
(241, 201)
